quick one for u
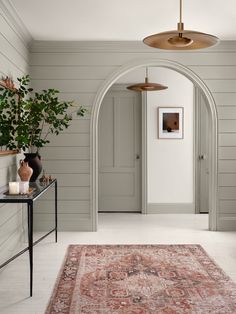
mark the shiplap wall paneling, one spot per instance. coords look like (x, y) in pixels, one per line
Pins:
(79, 69)
(14, 55)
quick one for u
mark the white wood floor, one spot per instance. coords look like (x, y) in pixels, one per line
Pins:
(113, 229)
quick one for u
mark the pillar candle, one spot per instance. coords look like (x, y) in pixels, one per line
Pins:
(14, 188)
(24, 187)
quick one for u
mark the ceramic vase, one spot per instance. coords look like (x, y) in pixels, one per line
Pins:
(25, 171)
(34, 161)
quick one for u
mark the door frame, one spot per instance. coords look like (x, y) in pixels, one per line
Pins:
(213, 129)
(197, 152)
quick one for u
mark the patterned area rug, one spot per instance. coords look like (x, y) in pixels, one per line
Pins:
(141, 279)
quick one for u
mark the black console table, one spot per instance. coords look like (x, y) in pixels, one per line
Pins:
(38, 190)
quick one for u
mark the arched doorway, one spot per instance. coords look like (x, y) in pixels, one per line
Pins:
(211, 107)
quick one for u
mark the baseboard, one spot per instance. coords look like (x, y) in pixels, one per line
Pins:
(170, 208)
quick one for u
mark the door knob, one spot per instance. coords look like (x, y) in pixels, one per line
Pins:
(202, 157)
(137, 156)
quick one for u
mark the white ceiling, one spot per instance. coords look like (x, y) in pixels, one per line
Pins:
(123, 19)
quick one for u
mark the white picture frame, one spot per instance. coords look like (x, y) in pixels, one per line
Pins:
(170, 122)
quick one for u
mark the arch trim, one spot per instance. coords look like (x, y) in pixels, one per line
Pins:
(211, 107)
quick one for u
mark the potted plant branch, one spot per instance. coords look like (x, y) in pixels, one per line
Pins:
(27, 118)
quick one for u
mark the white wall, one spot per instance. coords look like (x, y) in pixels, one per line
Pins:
(170, 161)
(13, 63)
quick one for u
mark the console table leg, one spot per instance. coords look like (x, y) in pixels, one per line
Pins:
(30, 242)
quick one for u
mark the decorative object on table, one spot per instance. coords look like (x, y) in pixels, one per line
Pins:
(146, 86)
(141, 279)
(23, 191)
(181, 39)
(25, 171)
(34, 161)
(170, 122)
(45, 179)
(24, 187)
(14, 187)
(27, 118)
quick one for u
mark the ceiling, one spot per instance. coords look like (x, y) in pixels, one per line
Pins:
(72, 20)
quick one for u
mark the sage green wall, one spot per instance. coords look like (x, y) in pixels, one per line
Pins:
(79, 69)
(13, 63)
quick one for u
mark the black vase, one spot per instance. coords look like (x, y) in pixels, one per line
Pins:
(34, 161)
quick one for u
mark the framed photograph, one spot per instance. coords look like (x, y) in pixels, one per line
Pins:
(170, 122)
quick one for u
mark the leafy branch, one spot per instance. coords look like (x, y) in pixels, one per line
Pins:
(26, 120)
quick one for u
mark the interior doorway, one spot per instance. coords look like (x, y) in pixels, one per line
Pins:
(211, 107)
(202, 153)
(119, 151)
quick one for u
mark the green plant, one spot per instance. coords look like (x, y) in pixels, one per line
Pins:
(27, 118)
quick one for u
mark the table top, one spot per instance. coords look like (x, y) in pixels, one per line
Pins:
(38, 189)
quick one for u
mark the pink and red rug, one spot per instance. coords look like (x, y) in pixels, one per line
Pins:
(141, 279)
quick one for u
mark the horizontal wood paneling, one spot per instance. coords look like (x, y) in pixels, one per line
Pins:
(14, 63)
(227, 126)
(10, 226)
(63, 166)
(227, 206)
(8, 32)
(72, 139)
(227, 193)
(227, 166)
(227, 112)
(79, 69)
(225, 99)
(72, 179)
(70, 72)
(7, 212)
(215, 72)
(81, 98)
(227, 139)
(68, 193)
(7, 173)
(117, 59)
(69, 86)
(11, 246)
(60, 153)
(64, 206)
(8, 68)
(78, 126)
(66, 222)
(223, 86)
(227, 152)
(228, 179)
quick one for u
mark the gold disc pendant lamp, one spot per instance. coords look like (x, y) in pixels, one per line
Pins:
(180, 39)
(146, 86)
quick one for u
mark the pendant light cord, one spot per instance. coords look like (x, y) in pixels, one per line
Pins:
(180, 11)
(146, 78)
(180, 25)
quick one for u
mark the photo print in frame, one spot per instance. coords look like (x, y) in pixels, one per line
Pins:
(170, 122)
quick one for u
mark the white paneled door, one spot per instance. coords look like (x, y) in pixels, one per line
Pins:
(120, 152)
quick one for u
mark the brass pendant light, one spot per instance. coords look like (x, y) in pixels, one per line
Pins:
(146, 86)
(180, 39)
